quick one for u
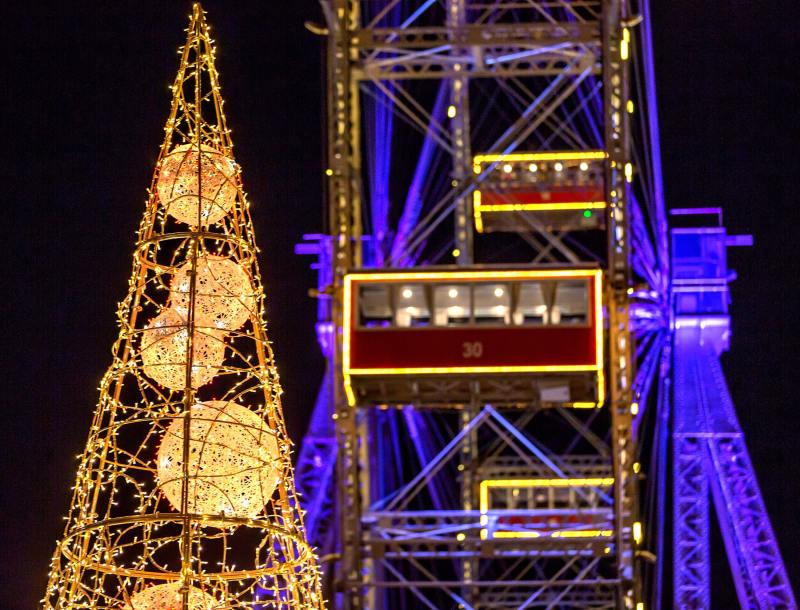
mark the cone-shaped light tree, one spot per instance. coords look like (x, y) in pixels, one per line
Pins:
(184, 498)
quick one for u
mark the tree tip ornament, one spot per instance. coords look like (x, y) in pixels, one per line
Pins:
(185, 497)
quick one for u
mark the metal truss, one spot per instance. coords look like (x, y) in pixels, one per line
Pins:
(444, 81)
(691, 519)
(710, 453)
(409, 548)
(487, 51)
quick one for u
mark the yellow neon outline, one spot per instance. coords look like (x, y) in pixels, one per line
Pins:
(637, 532)
(597, 367)
(478, 160)
(476, 211)
(445, 370)
(478, 208)
(582, 405)
(540, 156)
(582, 534)
(529, 534)
(474, 275)
(598, 338)
(486, 484)
(539, 207)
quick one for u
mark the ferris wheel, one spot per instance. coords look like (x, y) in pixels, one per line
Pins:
(523, 393)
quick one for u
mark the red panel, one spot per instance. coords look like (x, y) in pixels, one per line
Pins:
(543, 197)
(456, 346)
(473, 346)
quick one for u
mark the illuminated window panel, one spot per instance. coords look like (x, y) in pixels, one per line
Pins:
(492, 304)
(452, 304)
(536, 321)
(412, 305)
(556, 190)
(545, 508)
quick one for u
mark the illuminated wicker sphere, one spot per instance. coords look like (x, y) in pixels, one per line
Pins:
(169, 597)
(224, 295)
(177, 185)
(164, 351)
(234, 463)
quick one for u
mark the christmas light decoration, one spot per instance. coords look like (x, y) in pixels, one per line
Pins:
(165, 351)
(180, 182)
(184, 498)
(169, 597)
(224, 295)
(234, 461)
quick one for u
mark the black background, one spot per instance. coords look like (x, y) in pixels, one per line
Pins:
(84, 100)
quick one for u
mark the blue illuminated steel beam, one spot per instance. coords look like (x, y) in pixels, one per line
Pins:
(709, 452)
(316, 459)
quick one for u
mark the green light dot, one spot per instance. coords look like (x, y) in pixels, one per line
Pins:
(587, 213)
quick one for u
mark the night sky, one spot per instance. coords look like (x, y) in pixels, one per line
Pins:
(85, 98)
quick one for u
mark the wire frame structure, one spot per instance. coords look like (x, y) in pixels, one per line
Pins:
(185, 496)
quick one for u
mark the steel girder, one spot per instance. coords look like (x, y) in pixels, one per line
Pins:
(565, 58)
(710, 452)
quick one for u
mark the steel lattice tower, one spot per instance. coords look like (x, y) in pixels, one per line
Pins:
(497, 149)
(185, 495)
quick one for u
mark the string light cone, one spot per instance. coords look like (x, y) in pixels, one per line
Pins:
(185, 498)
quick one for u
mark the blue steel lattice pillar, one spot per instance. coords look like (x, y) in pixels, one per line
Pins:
(691, 524)
(709, 451)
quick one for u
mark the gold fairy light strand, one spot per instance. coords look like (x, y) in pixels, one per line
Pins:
(184, 497)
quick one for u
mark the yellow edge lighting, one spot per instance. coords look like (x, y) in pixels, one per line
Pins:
(582, 405)
(638, 533)
(582, 534)
(542, 207)
(559, 368)
(522, 274)
(624, 44)
(490, 483)
(476, 275)
(574, 482)
(522, 534)
(476, 211)
(541, 156)
(598, 337)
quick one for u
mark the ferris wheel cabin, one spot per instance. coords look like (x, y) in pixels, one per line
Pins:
(520, 192)
(511, 334)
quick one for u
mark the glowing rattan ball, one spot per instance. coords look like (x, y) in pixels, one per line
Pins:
(177, 184)
(234, 460)
(224, 294)
(164, 351)
(169, 597)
